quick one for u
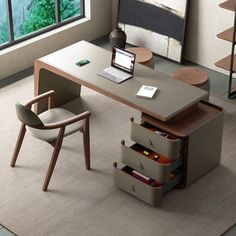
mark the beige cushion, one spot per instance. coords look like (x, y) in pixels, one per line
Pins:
(52, 116)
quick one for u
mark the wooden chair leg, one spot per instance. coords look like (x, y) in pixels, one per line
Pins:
(54, 157)
(86, 140)
(18, 145)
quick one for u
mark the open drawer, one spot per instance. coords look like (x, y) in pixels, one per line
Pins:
(157, 168)
(152, 138)
(143, 191)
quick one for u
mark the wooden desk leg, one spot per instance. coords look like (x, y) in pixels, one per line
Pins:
(46, 78)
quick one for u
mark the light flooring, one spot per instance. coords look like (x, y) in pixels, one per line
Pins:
(81, 202)
(84, 202)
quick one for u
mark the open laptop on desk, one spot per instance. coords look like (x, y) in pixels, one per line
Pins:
(122, 66)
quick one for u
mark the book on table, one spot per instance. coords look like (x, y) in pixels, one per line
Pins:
(147, 91)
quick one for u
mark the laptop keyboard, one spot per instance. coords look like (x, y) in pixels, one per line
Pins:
(115, 72)
(111, 77)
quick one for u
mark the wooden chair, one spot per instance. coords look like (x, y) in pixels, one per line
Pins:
(51, 126)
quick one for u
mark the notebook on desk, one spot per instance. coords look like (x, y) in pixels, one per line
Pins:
(122, 66)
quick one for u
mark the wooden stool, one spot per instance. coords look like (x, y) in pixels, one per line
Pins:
(194, 76)
(143, 56)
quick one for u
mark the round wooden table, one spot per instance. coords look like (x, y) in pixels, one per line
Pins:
(194, 76)
(143, 56)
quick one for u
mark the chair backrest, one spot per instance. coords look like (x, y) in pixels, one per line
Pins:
(26, 116)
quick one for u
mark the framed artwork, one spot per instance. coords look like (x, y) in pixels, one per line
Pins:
(155, 24)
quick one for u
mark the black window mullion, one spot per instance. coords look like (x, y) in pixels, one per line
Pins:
(81, 7)
(10, 21)
(57, 9)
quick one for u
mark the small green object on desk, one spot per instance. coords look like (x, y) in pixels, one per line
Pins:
(82, 62)
(146, 153)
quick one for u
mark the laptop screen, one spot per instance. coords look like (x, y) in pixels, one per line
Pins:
(123, 60)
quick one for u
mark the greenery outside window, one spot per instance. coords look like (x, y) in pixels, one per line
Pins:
(3, 23)
(24, 19)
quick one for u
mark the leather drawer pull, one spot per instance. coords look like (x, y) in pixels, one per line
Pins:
(149, 142)
(132, 189)
(140, 165)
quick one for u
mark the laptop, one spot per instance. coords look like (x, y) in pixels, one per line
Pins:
(122, 66)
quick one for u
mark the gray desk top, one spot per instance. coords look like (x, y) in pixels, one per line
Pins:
(172, 98)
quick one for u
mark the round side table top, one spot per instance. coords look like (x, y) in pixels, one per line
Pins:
(143, 55)
(191, 75)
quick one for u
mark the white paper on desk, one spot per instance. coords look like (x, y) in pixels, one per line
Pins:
(146, 91)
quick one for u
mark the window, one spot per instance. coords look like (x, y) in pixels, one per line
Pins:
(3, 23)
(23, 19)
(69, 10)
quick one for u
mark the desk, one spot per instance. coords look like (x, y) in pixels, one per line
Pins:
(172, 98)
(196, 146)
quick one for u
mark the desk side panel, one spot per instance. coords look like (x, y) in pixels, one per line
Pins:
(65, 89)
(204, 149)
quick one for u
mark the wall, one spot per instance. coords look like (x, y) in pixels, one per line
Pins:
(114, 12)
(96, 24)
(205, 20)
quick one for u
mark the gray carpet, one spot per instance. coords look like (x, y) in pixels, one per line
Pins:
(81, 202)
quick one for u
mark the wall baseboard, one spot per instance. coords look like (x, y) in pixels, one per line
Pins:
(16, 77)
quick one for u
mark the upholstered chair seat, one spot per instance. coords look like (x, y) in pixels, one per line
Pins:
(52, 116)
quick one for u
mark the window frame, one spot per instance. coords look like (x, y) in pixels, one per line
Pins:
(11, 41)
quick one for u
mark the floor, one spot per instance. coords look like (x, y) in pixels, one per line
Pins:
(84, 202)
(218, 87)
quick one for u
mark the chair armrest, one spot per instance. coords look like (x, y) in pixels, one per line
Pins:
(36, 99)
(56, 125)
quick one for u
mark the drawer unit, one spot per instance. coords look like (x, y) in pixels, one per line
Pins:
(156, 156)
(167, 154)
(143, 191)
(157, 169)
(154, 139)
